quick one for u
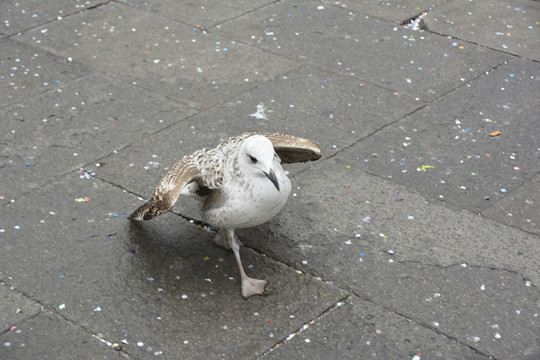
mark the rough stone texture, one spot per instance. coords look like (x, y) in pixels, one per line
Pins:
(199, 14)
(468, 277)
(420, 64)
(17, 16)
(521, 208)
(397, 11)
(361, 110)
(414, 237)
(446, 151)
(162, 283)
(15, 308)
(50, 337)
(79, 122)
(360, 329)
(159, 54)
(509, 26)
(388, 217)
(26, 71)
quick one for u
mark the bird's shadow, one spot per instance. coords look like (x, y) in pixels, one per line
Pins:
(166, 247)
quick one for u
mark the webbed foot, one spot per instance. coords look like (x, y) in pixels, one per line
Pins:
(252, 287)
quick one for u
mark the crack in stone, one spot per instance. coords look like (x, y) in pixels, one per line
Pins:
(471, 266)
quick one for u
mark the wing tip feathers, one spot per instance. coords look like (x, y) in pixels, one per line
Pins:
(142, 213)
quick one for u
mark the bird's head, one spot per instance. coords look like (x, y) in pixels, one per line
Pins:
(257, 158)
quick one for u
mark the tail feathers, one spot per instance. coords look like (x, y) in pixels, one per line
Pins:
(144, 212)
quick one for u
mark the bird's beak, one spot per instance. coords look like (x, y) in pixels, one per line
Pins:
(271, 175)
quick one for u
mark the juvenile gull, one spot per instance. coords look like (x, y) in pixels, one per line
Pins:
(241, 184)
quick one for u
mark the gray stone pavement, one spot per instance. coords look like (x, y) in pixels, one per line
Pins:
(416, 235)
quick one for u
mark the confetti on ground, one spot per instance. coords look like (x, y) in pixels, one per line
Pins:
(416, 23)
(259, 114)
(495, 133)
(425, 167)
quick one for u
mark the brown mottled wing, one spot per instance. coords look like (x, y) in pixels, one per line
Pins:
(293, 149)
(168, 190)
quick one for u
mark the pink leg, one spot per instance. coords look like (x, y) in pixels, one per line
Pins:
(249, 286)
(224, 240)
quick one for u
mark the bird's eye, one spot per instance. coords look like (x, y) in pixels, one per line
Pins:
(253, 159)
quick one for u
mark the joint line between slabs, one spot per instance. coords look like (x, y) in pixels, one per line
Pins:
(44, 308)
(243, 14)
(55, 18)
(307, 324)
(425, 326)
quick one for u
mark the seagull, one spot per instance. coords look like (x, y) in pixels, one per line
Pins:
(241, 184)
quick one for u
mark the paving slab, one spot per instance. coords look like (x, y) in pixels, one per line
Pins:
(379, 240)
(451, 150)
(51, 337)
(19, 15)
(420, 64)
(162, 284)
(159, 54)
(358, 329)
(15, 308)
(200, 14)
(397, 11)
(520, 208)
(379, 215)
(508, 25)
(26, 71)
(306, 103)
(79, 122)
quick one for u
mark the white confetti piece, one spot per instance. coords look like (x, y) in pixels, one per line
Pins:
(259, 114)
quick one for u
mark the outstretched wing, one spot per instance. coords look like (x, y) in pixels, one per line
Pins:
(293, 149)
(168, 190)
